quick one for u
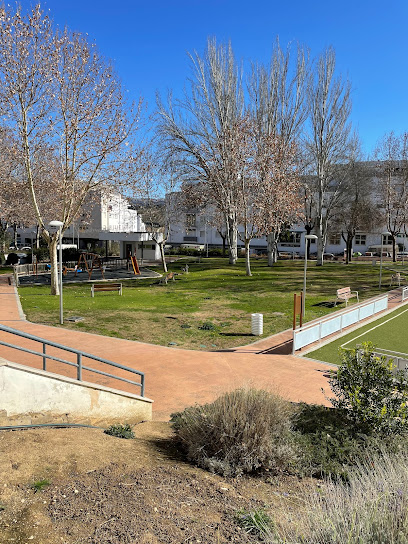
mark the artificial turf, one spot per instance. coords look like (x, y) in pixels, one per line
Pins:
(387, 333)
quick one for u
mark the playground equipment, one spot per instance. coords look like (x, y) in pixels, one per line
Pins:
(135, 266)
(90, 262)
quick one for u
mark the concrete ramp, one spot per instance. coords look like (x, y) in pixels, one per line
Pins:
(31, 396)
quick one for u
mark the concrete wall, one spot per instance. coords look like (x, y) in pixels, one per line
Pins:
(30, 396)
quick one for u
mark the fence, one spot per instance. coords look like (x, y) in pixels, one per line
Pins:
(78, 355)
(316, 330)
(399, 360)
(44, 268)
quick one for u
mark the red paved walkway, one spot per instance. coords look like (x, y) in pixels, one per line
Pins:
(175, 378)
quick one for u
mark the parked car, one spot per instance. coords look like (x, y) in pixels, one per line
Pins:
(25, 248)
(328, 256)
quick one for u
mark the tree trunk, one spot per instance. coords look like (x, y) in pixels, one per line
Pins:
(224, 247)
(37, 237)
(15, 235)
(349, 248)
(161, 246)
(320, 244)
(232, 238)
(247, 260)
(52, 248)
(394, 252)
(272, 248)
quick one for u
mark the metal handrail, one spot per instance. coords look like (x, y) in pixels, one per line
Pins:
(80, 354)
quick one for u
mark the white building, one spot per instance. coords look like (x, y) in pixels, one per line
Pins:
(108, 218)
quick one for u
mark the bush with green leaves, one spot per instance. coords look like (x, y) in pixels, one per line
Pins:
(330, 444)
(373, 396)
(42, 254)
(243, 431)
(120, 431)
(12, 258)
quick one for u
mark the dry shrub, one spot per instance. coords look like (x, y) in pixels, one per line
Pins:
(245, 430)
(370, 508)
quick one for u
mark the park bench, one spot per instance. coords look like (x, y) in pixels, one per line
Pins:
(106, 287)
(166, 278)
(345, 294)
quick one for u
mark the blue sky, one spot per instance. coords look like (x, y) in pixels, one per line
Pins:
(149, 42)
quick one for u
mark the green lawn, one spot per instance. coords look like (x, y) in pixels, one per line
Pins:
(213, 292)
(387, 333)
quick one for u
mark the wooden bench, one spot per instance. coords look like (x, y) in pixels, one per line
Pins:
(166, 278)
(345, 294)
(106, 287)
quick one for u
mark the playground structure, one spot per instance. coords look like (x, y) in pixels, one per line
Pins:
(135, 266)
(91, 261)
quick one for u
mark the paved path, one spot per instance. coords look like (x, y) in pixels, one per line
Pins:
(176, 378)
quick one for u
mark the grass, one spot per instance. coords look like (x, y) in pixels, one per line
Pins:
(387, 333)
(39, 485)
(213, 292)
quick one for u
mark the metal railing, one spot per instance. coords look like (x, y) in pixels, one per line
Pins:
(80, 355)
(315, 330)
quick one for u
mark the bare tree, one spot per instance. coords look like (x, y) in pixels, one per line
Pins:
(392, 168)
(278, 102)
(161, 206)
(198, 131)
(58, 94)
(328, 140)
(355, 208)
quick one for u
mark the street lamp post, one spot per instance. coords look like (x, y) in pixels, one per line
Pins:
(59, 224)
(307, 238)
(381, 256)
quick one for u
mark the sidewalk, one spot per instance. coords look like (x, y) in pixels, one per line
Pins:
(175, 378)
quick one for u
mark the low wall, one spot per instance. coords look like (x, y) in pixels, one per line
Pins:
(316, 330)
(29, 396)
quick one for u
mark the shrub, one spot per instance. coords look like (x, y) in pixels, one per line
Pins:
(257, 523)
(207, 326)
(42, 254)
(368, 391)
(330, 444)
(372, 507)
(70, 254)
(39, 485)
(120, 431)
(12, 258)
(242, 431)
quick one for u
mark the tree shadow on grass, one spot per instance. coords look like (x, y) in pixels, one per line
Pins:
(327, 304)
(236, 334)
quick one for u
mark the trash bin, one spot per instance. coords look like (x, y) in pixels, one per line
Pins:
(257, 324)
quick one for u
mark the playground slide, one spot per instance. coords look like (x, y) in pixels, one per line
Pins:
(135, 266)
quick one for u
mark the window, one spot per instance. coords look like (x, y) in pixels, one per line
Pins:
(290, 239)
(202, 233)
(335, 239)
(360, 239)
(190, 220)
(387, 240)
